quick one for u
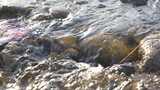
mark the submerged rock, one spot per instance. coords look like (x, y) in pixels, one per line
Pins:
(106, 49)
(81, 2)
(59, 13)
(68, 46)
(150, 49)
(68, 41)
(135, 2)
(101, 6)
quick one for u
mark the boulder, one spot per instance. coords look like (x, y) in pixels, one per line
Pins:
(106, 49)
(150, 49)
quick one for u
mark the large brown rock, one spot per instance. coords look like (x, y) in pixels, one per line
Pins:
(107, 49)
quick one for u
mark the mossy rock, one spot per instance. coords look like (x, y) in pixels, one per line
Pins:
(110, 49)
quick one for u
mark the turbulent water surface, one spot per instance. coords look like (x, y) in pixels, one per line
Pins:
(79, 45)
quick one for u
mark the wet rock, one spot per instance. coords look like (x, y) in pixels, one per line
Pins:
(29, 40)
(50, 13)
(59, 13)
(101, 6)
(130, 85)
(126, 68)
(14, 48)
(102, 0)
(26, 78)
(46, 45)
(37, 46)
(72, 53)
(135, 2)
(149, 81)
(150, 49)
(13, 12)
(94, 78)
(106, 49)
(73, 80)
(65, 46)
(34, 77)
(6, 61)
(40, 17)
(56, 56)
(3, 80)
(2, 46)
(81, 2)
(68, 41)
(67, 74)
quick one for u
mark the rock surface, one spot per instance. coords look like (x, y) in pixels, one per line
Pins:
(79, 44)
(150, 52)
(13, 12)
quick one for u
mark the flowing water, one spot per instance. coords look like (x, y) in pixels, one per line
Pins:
(113, 17)
(64, 40)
